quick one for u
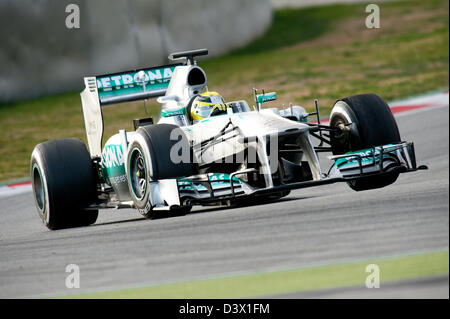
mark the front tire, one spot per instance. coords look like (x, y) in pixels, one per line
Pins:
(64, 183)
(373, 125)
(149, 159)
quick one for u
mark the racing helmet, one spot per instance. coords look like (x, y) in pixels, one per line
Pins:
(207, 104)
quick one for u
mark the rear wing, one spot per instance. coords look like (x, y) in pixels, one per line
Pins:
(125, 87)
(134, 85)
(118, 88)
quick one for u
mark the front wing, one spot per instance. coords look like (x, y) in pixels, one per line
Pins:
(377, 161)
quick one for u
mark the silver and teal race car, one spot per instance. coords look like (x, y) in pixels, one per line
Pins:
(243, 153)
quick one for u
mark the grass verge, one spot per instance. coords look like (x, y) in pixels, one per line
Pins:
(296, 280)
(323, 52)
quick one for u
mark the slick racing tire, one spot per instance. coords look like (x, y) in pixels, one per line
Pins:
(149, 159)
(373, 125)
(64, 183)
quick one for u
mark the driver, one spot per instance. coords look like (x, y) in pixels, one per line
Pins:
(208, 104)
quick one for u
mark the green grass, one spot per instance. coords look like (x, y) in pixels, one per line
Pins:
(295, 280)
(324, 52)
(291, 26)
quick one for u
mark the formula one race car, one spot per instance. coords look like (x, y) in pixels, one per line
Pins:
(205, 151)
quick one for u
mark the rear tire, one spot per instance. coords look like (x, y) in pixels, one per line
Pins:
(374, 125)
(149, 159)
(64, 183)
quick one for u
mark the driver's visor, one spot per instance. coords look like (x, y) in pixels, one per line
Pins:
(203, 111)
(217, 99)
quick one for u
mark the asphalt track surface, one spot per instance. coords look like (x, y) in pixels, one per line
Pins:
(315, 226)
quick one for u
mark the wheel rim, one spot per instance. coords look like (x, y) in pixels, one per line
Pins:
(138, 174)
(343, 141)
(340, 138)
(38, 187)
